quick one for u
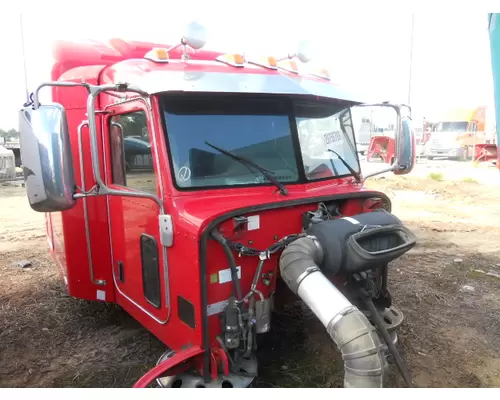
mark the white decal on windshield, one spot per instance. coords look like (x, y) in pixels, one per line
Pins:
(332, 138)
(184, 174)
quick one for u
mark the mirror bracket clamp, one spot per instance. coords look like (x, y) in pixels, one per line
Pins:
(166, 230)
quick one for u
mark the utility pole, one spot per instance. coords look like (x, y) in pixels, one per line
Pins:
(24, 57)
(411, 57)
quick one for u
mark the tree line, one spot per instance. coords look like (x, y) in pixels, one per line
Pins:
(9, 135)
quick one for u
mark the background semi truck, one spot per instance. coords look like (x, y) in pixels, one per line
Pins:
(458, 133)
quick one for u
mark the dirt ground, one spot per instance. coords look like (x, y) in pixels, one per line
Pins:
(450, 336)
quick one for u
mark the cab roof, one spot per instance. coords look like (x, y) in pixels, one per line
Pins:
(124, 62)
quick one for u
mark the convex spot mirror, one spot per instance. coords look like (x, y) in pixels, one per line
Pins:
(195, 35)
(46, 158)
(384, 135)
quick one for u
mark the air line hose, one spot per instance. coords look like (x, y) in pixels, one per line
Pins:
(383, 331)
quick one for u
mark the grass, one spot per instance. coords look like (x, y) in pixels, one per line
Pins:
(436, 176)
(469, 180)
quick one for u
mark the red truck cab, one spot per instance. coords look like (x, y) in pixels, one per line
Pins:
(158, 165)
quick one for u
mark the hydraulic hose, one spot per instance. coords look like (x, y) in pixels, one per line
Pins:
(232, 263)
(354, 335)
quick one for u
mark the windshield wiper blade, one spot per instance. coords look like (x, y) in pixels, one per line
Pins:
(268, 174)
(351, 170)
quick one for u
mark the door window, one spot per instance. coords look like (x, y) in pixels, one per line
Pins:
(131, 157)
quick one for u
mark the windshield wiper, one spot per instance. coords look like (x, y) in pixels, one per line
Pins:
(351, 170)
(268, 174)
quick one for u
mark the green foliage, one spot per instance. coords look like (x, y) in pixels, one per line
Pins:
(436, 176)
(9, 135)
(133, 124)
(469, 180)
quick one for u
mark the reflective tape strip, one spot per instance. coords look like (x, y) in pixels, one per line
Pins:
(351, 220)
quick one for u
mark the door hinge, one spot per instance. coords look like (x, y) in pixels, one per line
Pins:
(166, 230)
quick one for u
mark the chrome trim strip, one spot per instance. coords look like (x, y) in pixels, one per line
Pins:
(232, 82)
(51, 245)
(98, 282)
(50, 235)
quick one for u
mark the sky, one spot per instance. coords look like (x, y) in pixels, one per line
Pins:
(371, 50)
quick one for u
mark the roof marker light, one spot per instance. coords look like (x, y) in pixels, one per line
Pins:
(235, 60)
(288, 65)
(266, 62)
(322, 73)
(157, 55)
(195, 36)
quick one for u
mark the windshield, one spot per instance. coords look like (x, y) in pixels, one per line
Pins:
(288, 138)
(458, 126)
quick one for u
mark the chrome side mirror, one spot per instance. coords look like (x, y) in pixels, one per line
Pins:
(46, 158)
(405, 147)
(384, 133)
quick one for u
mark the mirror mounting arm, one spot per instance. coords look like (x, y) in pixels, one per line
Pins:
(382, 171)
(50, 179)
(36, 97)
(102, 188)
(93, 90)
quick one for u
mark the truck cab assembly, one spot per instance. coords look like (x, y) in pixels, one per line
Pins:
(198, 189)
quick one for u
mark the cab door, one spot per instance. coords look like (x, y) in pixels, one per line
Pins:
(139, 259)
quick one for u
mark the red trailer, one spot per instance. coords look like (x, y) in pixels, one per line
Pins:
(485, 152)
(382, 147)
(176, 183)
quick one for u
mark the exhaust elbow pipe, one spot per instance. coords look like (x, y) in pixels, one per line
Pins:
(355, 337)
